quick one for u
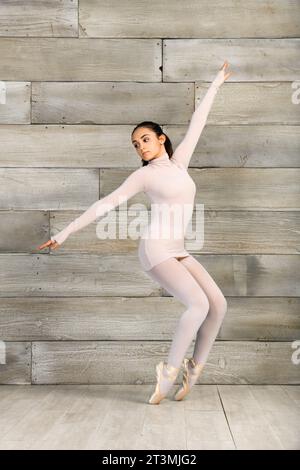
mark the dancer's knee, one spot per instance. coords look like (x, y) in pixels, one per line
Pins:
(219, 306)
(200, 302)
(192, 319)
(198, 307)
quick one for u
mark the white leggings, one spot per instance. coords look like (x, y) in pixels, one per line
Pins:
(188, 281)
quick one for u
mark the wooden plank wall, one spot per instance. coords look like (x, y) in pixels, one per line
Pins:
(76, 77)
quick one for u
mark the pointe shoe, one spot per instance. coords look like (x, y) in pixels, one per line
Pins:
(189, 376)
(172, 373)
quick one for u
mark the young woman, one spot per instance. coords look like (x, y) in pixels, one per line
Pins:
(164, 178)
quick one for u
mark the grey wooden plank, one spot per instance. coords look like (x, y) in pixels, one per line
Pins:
(201, 19)
(32, 275)
(253, 275)
(118, 238)
(228, 189)
(133, 362)
(280, 412)
(21, 230)
(8, 394)
(29, 188)
(30, 427)
(15, 363)
(223, 232)
(85, 415)
(110, 179)
(16, 106)
(14, 445)
(249, 231)
(265, 103)
(125, 318)
(293, 392)
(258, 318)
(73, 275)
(247, 188)
(208, 430)
(130, 402)
(90, 418)
(38, 19)
(260, 145)
(109, 146)
(191, 59)
(108, 103)
(231, 188)
(205, 398)
(64, 146)
(273, 398)
(43, 421)
(249, 426)
(80, 59)
(21, 401)
(252, 103)
(286, 426)
(164, 430)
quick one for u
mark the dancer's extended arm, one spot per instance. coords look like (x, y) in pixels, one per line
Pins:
(133, 184)
(185, 149)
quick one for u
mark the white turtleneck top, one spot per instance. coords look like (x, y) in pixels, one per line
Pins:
(170, 188)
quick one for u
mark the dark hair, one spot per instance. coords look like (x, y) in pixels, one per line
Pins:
(158, 131)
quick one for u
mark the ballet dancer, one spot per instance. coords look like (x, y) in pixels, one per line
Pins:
(163, 176)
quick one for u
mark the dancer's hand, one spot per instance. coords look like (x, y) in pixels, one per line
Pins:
(222, 75)
(52, 244)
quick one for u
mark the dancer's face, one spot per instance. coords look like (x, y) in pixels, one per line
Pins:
(147, 144)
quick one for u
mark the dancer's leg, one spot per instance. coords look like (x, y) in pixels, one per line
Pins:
(177, 280)
(217, 309)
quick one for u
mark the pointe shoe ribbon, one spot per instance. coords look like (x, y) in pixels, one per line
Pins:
(190, 376)
(172, 373)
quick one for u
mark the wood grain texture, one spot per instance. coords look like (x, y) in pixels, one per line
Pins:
(237, 103)
(248, 188)
(17, 106)
(215, 417)
(80, 59)
(76, 78)
(253, 103)
(248, 231)
(231, 188)
(39, 19)
(245, 146)
(73, 275)
(254, 275)
(227, 231)
(27, 188)
(121, 275)
(67, 146)
(258, 59)
(223, 231)
(234, 362)
(201, 19)
(109, 146)
(22, 230)
(135, 318)
(111, 103)
(17, 366)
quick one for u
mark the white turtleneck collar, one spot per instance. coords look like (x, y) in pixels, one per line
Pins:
(162, 160)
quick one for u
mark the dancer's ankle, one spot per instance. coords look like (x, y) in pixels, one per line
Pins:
(195, 365)
(170, 371)
(171, 367)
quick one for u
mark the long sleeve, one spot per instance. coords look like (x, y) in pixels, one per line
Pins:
(185, 149)
(133, 184)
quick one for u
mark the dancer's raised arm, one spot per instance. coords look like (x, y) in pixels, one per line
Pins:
(185, 149)
(133, 184)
